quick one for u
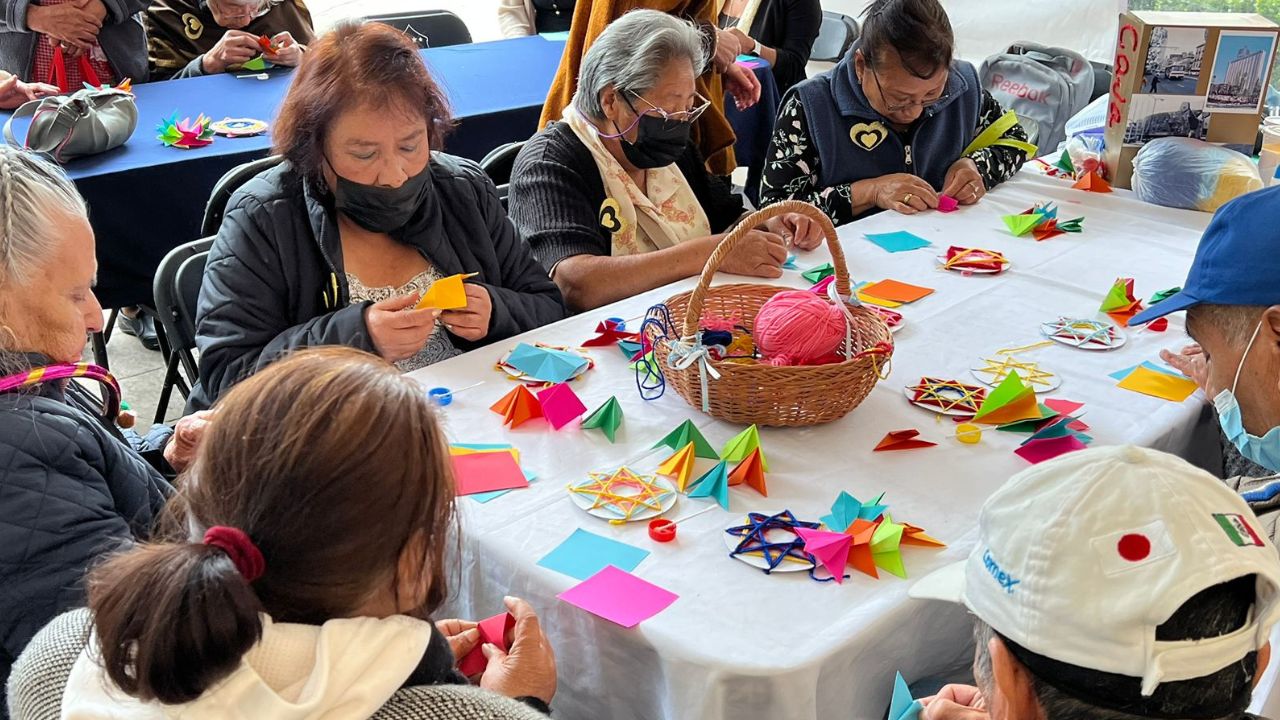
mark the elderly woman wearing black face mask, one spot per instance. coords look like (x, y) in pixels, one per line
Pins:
(615, 200)
(336, 245)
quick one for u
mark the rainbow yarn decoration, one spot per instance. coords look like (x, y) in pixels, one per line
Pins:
(185, 134)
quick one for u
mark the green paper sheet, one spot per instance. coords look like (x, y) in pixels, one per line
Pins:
(606, 419)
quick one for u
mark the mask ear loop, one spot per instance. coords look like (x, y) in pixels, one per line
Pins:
(615, 125)
(1247, 348)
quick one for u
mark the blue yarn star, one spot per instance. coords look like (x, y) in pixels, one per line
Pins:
(755, 538)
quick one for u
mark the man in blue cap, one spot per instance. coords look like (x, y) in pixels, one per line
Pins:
(1232, 299)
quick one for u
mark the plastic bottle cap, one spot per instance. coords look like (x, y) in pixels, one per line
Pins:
(968, 433)
(617, 323)
(440, 395)
(662, 530)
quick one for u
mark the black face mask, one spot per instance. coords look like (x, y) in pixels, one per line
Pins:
(382, 209)
(659, 142)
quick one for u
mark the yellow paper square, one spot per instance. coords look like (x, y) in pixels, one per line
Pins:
(445, 294)
(455, 450)
(878, 301)
(1157, 384)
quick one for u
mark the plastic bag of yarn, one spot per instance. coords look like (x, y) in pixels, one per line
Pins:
(797, 327)
(1192, 174)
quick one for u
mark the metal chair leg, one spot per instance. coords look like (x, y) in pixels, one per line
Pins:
(166, 390)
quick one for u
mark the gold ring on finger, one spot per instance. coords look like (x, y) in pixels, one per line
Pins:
(906, 199)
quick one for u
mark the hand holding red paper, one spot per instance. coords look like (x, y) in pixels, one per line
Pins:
(235, 47)
(797, 230)
(463, 636)
(396, 329)
(528, 668)
(284, 50)
(471, 322)
(963, 182)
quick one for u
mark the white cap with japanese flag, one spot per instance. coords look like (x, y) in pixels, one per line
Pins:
(1082, 557)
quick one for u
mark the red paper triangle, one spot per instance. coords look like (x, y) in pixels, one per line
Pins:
(902, 440)
(1093, 182)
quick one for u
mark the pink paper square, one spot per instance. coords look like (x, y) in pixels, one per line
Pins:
(1037, 451)
(619, 596)
(560, 405)
(486, 472)
(492, 630)
(947, 204)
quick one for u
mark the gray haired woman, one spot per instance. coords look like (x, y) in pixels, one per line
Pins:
(72, 487)
(615, 200)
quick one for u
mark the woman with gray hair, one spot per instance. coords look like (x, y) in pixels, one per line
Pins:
(189, 38)
(72, 487)
(615, 200)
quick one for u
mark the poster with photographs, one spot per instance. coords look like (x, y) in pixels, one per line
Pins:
(1240, 64)
(1158, 116)
(1174, 58)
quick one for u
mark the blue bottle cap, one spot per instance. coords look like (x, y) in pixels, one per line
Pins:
(440, 395)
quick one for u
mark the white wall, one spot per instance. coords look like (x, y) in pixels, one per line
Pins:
(481, 16)
(985, 27)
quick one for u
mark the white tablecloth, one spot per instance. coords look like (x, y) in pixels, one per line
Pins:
(739, 644)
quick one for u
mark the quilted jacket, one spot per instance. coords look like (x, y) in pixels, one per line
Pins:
(70, 490)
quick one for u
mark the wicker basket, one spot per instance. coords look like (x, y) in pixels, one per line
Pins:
(787, 396)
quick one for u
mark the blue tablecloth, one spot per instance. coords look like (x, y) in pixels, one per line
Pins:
(145, 199)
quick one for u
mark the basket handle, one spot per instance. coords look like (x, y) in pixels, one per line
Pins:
(694, 312)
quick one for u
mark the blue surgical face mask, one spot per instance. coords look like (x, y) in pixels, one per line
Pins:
(1264, 450)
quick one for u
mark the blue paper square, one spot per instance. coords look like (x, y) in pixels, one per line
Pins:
(584, 554)
(1122, 374)
(899, 241)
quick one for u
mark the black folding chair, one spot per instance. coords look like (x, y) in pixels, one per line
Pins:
(835, 36)
(428, 28)
(498, 164)
(177, 290)
(228, 184)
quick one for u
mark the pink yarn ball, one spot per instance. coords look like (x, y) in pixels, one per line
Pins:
(796, 327)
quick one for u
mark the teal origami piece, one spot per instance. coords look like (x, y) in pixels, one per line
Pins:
(903, 706)
(848, 508)
(713, 484)
(545, 364)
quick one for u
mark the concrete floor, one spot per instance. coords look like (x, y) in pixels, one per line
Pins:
(141, 375)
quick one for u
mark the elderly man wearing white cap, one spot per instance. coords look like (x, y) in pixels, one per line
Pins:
(1112, 584)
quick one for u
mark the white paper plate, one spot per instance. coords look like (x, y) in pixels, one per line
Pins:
(956, 412)
(1047, 330)
(667, 502)
(758, 561)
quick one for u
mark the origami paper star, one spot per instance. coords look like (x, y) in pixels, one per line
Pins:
(607, 489)
(947, 395)
(185, 134)
(755, 538)
(1120, 302)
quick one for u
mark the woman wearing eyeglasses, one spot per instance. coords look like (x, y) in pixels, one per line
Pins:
(188, 38)
(894, 125)
(614, 199)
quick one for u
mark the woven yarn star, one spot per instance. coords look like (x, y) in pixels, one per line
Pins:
(1028, 370)
(1082, 332)
(606, 487)
(947, 395)
(755, 538)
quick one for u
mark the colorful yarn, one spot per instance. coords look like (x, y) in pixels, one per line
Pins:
(796, 327)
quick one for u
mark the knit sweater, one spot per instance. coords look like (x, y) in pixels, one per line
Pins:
(556, 193)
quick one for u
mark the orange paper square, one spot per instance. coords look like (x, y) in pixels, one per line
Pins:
(896, 291)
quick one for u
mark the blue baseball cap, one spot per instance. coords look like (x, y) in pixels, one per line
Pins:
(1237, 262)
